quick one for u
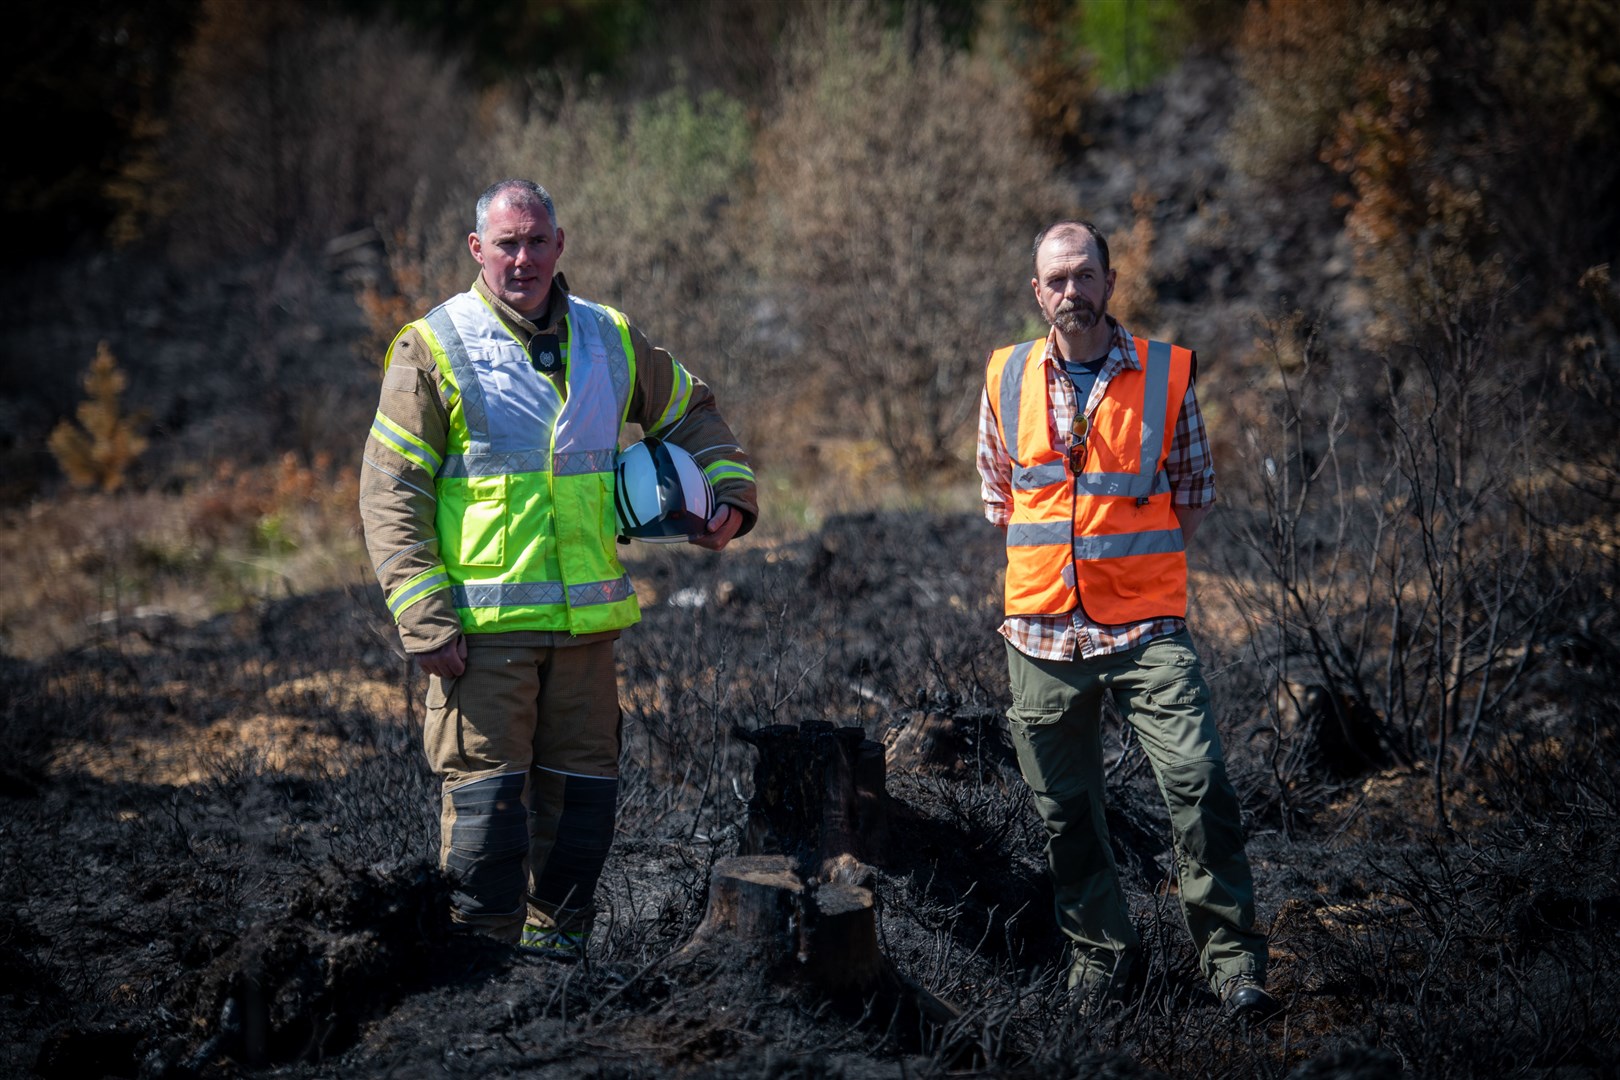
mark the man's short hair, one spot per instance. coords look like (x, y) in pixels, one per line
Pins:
(1069, 226)
(513, 190)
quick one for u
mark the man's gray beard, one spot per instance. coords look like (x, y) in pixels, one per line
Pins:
(1076, 320)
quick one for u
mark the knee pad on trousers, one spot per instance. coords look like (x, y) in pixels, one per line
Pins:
(489, 837)
(584, 837)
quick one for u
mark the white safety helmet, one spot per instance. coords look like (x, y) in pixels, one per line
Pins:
(660, 494)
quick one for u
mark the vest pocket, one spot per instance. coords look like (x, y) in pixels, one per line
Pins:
(483, 522)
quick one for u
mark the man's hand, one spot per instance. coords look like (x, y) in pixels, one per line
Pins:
(447, 661)
(1189, 518)
(722, 527)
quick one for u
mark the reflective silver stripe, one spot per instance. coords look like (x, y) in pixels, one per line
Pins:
(598, 379)
(1131, 485)
(1154, 542)
(473, 410)
(515, 461)
(507, 594)
(531, 593)
(1012, 383)
(599, 592)
(386, 472)
(406, 550)
(1035, 477)
(1042, 534)
(404, 448)
(565, 772)
(581, 462)
(433, 583)
(1147, 482)
(1155, 389)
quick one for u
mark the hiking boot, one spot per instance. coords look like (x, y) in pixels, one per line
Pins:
(553, 944)
(1243, 999)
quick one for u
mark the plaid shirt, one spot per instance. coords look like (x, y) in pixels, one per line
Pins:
(1192, 484)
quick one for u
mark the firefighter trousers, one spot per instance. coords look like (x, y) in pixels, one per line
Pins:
(526, 745)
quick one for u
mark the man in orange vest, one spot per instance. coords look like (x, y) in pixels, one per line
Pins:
(1096, 464)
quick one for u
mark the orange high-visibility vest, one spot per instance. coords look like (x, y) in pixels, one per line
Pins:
(1098, 531)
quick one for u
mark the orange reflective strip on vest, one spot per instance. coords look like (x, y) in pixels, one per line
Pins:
(1106, 538)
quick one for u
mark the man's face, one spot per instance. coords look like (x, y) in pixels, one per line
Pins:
(519, 252)
(1070, 285)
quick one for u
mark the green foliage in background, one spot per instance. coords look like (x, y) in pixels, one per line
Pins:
(1134, 42)
(696, 148)
(645, 192)
(898, 186)
(637, 185)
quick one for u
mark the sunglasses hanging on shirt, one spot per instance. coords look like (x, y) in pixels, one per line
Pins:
(1077, 444)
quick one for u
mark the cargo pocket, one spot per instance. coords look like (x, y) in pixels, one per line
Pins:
(483, 522)
(1171, 675)
(1032, 732)
(1172, 712)
(1033, 717)
(441, 727)
(585, 518)
(606, 514)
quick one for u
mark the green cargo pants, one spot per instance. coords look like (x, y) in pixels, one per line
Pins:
(1056, 729)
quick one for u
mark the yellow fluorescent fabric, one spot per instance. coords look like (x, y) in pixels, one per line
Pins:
(525, 509)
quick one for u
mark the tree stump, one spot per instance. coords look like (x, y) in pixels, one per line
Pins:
(818, 794)
(838, 940)
(798, 896)
(754, 900)
(824, 933)
(963, 742)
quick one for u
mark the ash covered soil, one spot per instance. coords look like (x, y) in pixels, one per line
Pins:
(218, 840)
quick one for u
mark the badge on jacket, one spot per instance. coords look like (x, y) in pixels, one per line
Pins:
(546, 352)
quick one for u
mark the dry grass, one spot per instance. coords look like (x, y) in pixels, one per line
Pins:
(90, 565)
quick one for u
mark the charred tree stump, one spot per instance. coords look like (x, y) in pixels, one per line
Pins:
(838, 940)
(818, 794)
(797, 899)
(823, 933)
(754, 901)
(963, 742)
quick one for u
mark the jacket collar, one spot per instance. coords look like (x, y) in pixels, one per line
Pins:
(555, 312)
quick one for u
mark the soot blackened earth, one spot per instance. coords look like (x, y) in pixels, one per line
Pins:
(219, 840)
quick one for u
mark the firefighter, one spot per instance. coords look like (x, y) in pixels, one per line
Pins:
(487, 497)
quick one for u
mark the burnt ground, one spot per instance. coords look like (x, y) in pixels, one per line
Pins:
(218, 838)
